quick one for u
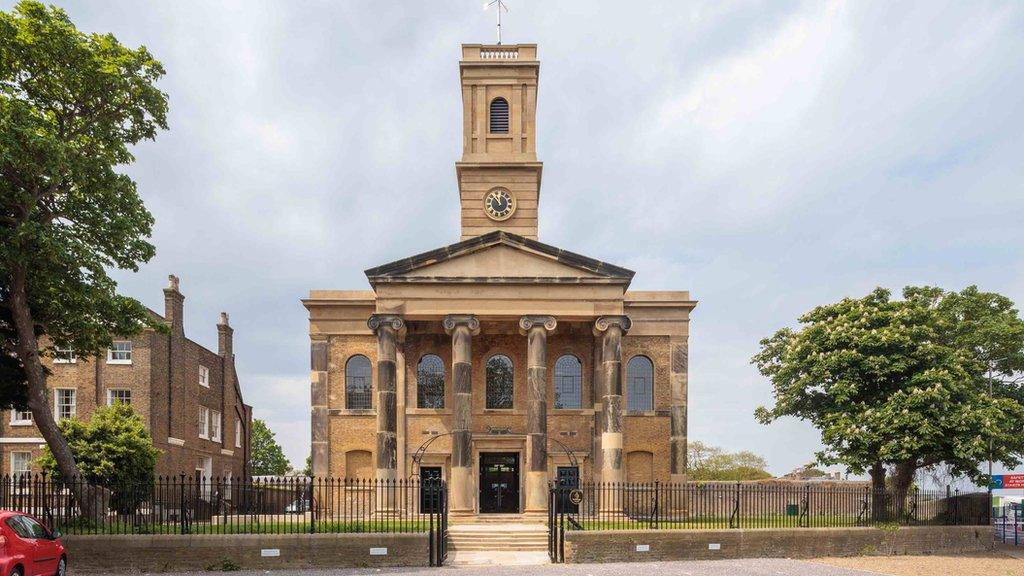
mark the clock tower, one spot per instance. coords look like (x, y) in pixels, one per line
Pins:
(499, 175)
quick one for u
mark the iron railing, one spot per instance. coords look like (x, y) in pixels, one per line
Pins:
(197, 505)
(654, 506)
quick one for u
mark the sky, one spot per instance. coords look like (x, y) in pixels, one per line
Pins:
(766, 156)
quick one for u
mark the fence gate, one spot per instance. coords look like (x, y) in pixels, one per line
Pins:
(561, 507)
(434, 499)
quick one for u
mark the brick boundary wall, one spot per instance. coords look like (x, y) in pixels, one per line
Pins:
(622, 545)
(164, 553)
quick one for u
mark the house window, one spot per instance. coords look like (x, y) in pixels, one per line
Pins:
(64, 356)
(21, 417)
(204, 422)
(430, 382)
(204, 376)
(640, 384)
(568, 382)
(215, 423)
(499, 116)
(64, 403)
(21, 464)
(120, 352)
(358, 384)
(499, 382)
(238, 432)
(119, 397)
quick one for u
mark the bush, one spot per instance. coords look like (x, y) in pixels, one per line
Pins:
(112, 450)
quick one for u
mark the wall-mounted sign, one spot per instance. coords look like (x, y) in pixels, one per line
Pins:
(1007, 481)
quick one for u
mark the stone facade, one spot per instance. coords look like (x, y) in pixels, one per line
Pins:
(162, 382)
(563, 328)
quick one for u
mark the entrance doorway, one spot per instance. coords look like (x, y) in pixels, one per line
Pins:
(568, 479)
(430, 489)
(499, 482)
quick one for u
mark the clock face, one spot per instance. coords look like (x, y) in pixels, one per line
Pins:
(499, 204)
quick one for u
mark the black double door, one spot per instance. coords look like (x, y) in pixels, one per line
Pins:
(499, 482)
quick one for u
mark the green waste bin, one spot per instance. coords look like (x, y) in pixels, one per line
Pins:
(792, 509)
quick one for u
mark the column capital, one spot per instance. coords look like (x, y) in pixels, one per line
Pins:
(378, 321)
(453, 320)
(604, 322)
(548, 323)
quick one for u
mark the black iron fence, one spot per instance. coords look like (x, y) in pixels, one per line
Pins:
(654, 506)
(197, 505)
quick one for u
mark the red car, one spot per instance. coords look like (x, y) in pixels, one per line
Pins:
(27, 548)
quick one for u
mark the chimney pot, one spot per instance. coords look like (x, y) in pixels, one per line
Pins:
(173, 282)
(224, 319)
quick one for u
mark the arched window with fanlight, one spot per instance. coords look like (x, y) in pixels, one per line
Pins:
(568, 382)
(640, 384)
(499, 382)
(430, 382)
(499, 116)
(358, 383)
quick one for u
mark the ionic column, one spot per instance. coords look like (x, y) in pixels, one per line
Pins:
(462, 328)
(536, 329)
(611, 329)
(679, 350)
(387, 327)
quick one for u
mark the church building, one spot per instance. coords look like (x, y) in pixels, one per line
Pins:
(499, 363)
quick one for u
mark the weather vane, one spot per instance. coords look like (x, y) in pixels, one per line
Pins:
(500, 6)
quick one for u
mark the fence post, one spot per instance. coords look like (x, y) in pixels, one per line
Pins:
(312, 507)
(657, 504)
(181, 505)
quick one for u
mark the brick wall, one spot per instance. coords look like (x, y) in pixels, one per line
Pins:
(167, 553)
(621, 545)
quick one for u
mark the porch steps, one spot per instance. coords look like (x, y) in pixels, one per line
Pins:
(497, 537)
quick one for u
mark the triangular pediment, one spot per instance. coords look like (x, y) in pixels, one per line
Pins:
(500, 257)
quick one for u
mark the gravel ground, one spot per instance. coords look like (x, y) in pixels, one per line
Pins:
(704, 568)
(987, 564)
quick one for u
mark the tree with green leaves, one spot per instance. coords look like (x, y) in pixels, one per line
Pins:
(267, 456)
(71, 105)
(896, 385)
(706, 463)
(112, 450)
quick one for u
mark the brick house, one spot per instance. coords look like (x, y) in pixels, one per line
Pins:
(188, 396)
(499, 363)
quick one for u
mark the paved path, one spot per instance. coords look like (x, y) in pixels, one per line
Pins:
(702, 568)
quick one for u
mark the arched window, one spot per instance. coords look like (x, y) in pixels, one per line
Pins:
(640, 384)
(568, 382)
(499, 382)
(499, 116)
(430, 382)
(358, 383)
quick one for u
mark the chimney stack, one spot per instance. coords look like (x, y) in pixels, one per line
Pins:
(224, 336)
(174, 306)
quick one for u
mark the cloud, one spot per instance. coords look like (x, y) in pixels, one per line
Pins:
(766, 156)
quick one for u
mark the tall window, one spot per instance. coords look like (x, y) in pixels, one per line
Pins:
(64, 403)
(499, 382)
(204, 422)
(120, 352)
(238, 432)
(21, 464)
(430, 382)
(499, 116)
(358, 383)
(215, 425)
(640, 384)
(64, 356)
(204, 376)
(119, 396)
(568, 382)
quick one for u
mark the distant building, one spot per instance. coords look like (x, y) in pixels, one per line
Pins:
(189, 398)
(811, 474)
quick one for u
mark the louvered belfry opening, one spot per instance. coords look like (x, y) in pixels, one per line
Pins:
(499, 116)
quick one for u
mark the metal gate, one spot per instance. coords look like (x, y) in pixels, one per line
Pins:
(434, 499)
(563, 506)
